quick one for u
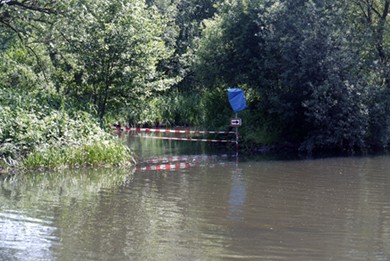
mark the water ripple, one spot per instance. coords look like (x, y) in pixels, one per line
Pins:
(25, 238)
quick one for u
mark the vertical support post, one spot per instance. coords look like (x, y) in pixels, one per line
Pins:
(236, 135)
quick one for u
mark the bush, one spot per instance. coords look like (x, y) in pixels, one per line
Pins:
(34, 133)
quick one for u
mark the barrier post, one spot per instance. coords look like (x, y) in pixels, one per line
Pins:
(236, 134)
(235, 122)
(237, 101)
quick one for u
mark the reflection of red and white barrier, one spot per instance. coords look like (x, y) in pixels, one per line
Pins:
(176, 162)
(189, 139)
(188, 158)
(165, 167)
(176, 131)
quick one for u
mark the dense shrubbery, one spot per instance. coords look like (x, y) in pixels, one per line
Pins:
(197, 109)
(34, 133)
(317, 72)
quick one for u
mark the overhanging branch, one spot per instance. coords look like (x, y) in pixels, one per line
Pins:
(29, 5)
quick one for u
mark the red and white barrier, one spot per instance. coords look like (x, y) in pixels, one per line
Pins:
(165, 167)
(128, 129)
(175, 131)
(189, 139)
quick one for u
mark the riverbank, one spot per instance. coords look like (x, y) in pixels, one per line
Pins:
(42, 130)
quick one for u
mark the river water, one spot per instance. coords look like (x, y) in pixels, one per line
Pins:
(208, 204)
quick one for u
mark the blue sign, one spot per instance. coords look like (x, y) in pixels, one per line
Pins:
(237, 99)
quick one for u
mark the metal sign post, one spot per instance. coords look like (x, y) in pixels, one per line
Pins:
(236, 122)
(237, 134)
(237, 101)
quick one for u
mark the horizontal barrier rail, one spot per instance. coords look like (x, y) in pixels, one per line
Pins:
(189, 139)
(175, 131)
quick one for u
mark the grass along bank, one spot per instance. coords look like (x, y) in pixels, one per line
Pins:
(40, 130)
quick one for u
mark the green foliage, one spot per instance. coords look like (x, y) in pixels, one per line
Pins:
(316, 73)
(338, 116)
(184, 20)
(19, 69)
(91, 153)
(379, 117)
(207, 109)
(216, 109)
(309, 67)
(172, 109)
(34, 134)
(114, 48)
(21, 17)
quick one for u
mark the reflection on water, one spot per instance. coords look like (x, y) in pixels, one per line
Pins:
(237, 195)
(24, 236)
(221, 208)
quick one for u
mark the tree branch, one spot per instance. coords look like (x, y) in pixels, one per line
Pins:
(28, 6)
(385, 10)
(363, 9)
(14, 30)
(372, 6)
(38, 62)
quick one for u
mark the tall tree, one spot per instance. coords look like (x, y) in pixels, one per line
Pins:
(111, 51)
(294, 56)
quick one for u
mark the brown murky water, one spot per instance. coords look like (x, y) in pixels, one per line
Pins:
(213, 207)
